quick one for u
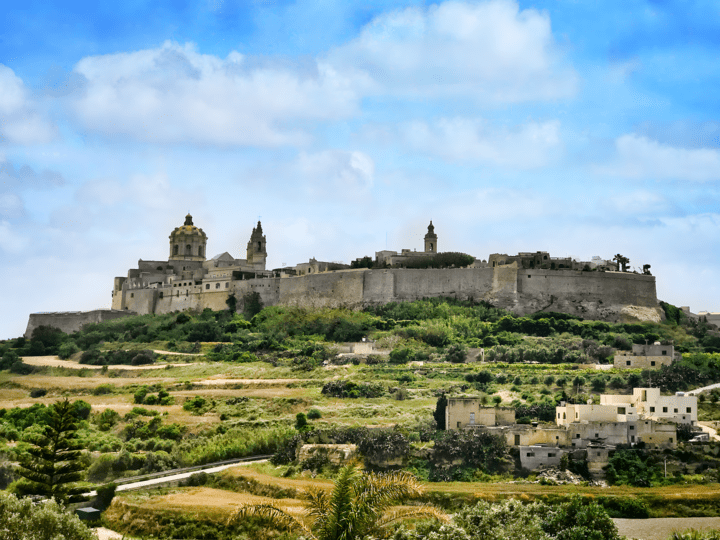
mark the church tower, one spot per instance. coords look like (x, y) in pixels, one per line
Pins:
(256, 248)
(187, 243)
(431, 239)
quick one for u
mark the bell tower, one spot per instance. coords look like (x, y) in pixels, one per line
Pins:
(431, 239)
(256, 248)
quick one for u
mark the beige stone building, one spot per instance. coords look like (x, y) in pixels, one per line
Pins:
(462, 412)
(647, 356)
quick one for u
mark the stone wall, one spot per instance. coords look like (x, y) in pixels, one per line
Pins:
(72, 321)
(593, 295)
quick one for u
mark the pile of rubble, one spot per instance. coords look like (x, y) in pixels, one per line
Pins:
(559, 476)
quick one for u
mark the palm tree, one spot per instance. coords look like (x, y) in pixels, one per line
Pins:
(358, 506)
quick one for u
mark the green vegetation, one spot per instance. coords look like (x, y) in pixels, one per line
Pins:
(268, 380)
(23, 520)
(358, 507)
(51, 464)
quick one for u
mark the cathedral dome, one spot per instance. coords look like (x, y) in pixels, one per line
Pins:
(188, 242)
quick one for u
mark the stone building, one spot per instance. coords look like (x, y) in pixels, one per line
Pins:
(462, 412)
(645, 356)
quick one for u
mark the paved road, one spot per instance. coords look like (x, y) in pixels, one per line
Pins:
(703, 389)
(170, 477)
(181, 476)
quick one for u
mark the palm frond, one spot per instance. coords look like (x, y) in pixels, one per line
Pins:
(418, 511)
(272, 513)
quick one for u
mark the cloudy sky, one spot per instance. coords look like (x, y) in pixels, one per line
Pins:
(580, 128)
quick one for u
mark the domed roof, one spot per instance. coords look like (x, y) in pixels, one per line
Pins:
(188, 229)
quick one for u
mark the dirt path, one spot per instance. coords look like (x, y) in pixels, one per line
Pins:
(54, 361)
(662, 528)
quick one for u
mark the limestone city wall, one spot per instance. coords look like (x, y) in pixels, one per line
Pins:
(72, 321)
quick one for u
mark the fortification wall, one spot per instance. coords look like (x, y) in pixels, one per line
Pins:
(593, 295)
(72, 321)
(411, 284)
(344, 288)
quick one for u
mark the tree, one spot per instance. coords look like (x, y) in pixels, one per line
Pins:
(231, 302)
(622, 261)
(252, 304)
(23, 520)
(358, 506)
(439, 413)
(52, 463)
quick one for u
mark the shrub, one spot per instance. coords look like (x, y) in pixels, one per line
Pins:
(314, 414)
(37, 392)
(67, 349)
(456, 354)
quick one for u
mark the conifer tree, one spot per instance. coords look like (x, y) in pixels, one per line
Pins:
(52, 464)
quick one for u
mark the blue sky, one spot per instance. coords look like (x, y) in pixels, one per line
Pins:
(580, 128)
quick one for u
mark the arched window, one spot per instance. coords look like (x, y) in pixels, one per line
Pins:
(200, 251)
(188, 249)
(431, 246)
(176, 249)
(259, 246)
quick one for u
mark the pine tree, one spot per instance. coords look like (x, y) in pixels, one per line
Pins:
(52, 464)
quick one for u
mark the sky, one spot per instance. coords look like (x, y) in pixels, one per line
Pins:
(577, 127)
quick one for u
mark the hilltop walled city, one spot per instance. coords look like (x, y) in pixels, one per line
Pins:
(523, 283)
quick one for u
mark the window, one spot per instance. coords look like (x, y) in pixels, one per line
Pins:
(664, 353)
(176, 249)
(217, 285)
(671, 439)
(227, 285)
(597, 435)
(564, 416)
(652, 409)
(664, 409)
(652, 362)
(132, 295)
(259, 246)
(675, 410)
(632, 428)
(621, 410)
(161, 294)
(577, 436)
(517, 440)
(530, 454)
(632, 438)
(688, 410)
(628, 363)
(458, 424)
(188, 249)
(207, 285)
(472, 418)
(551, 454)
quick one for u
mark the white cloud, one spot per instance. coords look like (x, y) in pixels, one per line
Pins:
(640, 157)
(11, 205)
(490, 51)
(639, 202)
(477, 141)
(11, 241)
(173, 94)
(20, 121)
(336, 171)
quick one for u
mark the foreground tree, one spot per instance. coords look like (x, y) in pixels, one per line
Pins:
(52, 463)
(360, 505)
(23, 520)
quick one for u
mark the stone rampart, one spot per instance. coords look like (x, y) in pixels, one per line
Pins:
(592, 295)
(72, 321)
